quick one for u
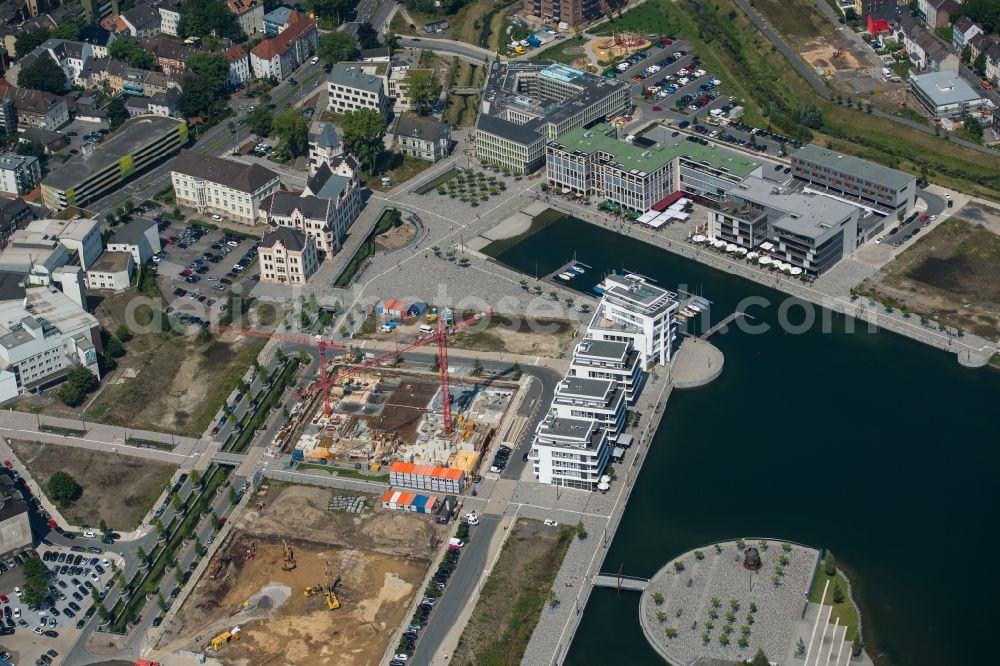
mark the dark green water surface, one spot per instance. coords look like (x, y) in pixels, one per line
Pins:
(875, 446)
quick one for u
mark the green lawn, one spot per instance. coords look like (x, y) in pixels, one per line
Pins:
(555, 52)
(347, 473)
(902, 69)
(398, 168)
(845, 610)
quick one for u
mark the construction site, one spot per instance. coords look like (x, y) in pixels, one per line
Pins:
(371, 413)
(299, 580)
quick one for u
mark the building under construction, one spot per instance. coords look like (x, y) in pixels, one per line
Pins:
(386, 415)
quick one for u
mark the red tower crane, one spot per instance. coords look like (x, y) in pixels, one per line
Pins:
(440, 336)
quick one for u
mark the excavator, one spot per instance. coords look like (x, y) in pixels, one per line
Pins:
(332, 601)
(289, 562)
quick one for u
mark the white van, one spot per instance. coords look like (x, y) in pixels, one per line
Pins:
(426, 328)
(315, 59)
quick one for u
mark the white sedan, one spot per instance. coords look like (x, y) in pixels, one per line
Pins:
(551, 523)
(89, 534)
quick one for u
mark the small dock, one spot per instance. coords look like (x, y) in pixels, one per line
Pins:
(618, 582)
(554, 275)
(721, 325)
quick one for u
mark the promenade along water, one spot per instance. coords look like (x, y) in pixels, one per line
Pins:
(871, 444)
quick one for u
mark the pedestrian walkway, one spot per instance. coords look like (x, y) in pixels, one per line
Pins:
(616, 582)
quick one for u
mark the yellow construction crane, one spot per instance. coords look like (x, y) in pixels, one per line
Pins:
(289, 562)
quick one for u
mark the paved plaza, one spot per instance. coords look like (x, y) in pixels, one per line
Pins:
(710, 602)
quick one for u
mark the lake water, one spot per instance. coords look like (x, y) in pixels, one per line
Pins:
(877, 447)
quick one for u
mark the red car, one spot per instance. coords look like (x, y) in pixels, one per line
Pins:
(222, 521)
(925, 217)
(8, 464)
(186, 272)
(52, 523)
(666, 42)
(215, 430)
(172, 240)
(657, 108)
(3, 598)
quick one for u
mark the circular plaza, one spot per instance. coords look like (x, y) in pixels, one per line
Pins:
(727, 600)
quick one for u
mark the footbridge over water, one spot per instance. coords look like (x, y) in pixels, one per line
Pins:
(620, 582)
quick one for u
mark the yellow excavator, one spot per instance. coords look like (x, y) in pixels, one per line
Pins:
(332, 601)
(289, 562)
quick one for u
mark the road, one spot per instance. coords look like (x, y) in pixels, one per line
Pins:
(375, 12)
(459, 589)
(465, 51)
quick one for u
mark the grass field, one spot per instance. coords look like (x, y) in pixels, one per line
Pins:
(517, 592)
(347, 473)
(555, 52)
(398, 168)
(949, 275)
(794, 17)
(759, 76)
(845, 611)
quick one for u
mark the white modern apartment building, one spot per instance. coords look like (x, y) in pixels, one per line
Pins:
(43, 334)
(287, 256)
(80, 237)
(220, 186)
(526, 104)
(569, 452)
(113, 272)
(140, 238)
(598, 399)
(607, 359)
(637, 311)
(19, 174)
(170, 16)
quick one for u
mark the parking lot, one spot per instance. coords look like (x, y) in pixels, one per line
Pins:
(77, 133)
(199, 266)
(40, 634)
(669, 83)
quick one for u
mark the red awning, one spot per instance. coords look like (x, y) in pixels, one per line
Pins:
(667, 201)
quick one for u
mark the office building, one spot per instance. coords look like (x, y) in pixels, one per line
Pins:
(139, 238)
(351, 88)
(97, 170)
(287, 256)
(224, 187)
(592, 162)
(526, 104)
(808, 230)
(279, 56)
(19, 174)
(946, 95)
(569, 452)
(872, 186)
(635, 310)
(423, 137)
(81, 238)
(113, 271)
(43, 335)
(170, 16)
(606, 359)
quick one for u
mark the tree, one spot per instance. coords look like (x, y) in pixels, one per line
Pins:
(79, 382)
(69, 28)
(63, 488)
(811, 116)
(200, 18)
(800, 647)
(856, 645)
(477, 367)
(335, 10)
(30, 148)
(158, 524)
(760, 659)
(195, 477)
(364, 131)
(980, 63)
(367, 36)
(966, 54)
(117, 113)
(132, 52)
(205, 85)
(337, 47)
(829, 564)
(43, 74)
(838, 593)
(292, 130)
(913, 5)
(581, 531)
(35, 586)
(973, 127)
(234, 497)
(423, 88)
(114, 348)
(27, 42)
(122, 333)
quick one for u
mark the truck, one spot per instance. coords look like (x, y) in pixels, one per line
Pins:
(297, 455)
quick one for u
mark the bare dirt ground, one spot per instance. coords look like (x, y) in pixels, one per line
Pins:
(117, 488)
(514, 595)
(380, 555)
(952, 274)
(396, 237)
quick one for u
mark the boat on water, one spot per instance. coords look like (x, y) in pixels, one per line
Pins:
(702, 302)
(695, 307)
(689, 313)
(567, 276)
(677, 320)
(577, 269)
(681, 316)
(598, 289)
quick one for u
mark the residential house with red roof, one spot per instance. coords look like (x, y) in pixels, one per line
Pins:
(239, 66)
(279, 56)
